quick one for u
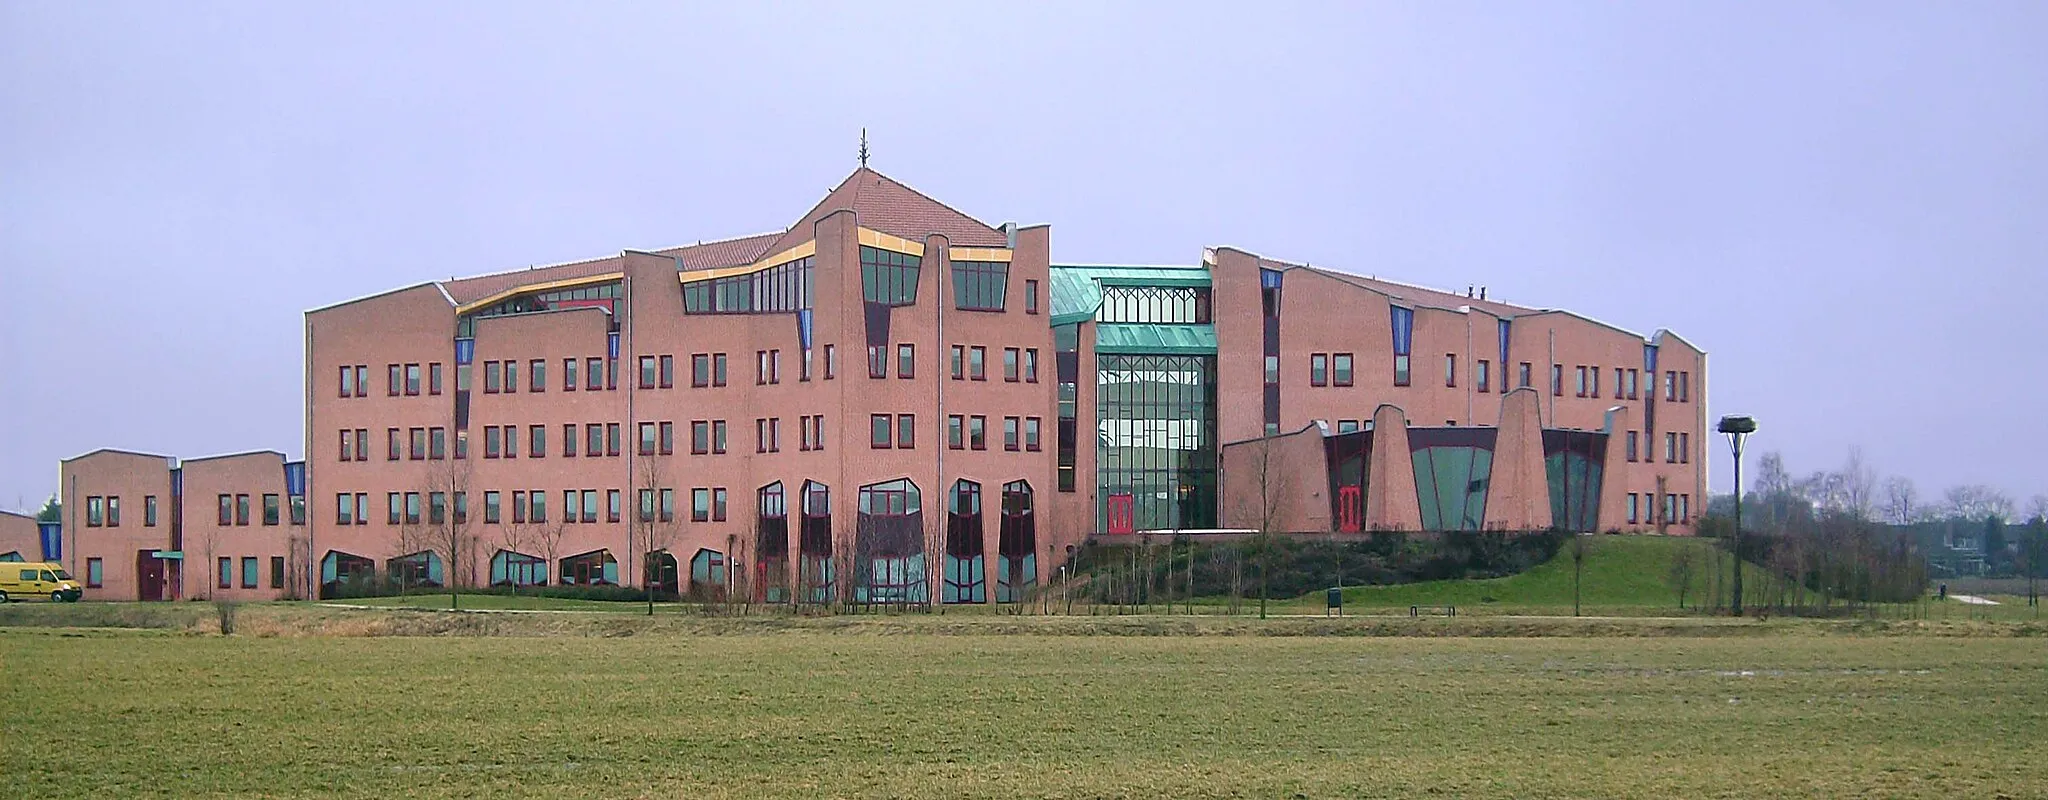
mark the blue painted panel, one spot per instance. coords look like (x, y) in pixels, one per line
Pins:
(465, 351)
(295, 478)
(53, 540)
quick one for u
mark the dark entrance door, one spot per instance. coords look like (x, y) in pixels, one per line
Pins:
(149, 576)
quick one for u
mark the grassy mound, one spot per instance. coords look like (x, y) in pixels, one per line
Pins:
(1619, 572)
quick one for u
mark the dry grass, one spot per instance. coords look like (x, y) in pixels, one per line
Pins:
(887, 707)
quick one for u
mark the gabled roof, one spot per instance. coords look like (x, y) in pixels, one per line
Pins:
(1420, 295)
(702, 255)
(116, 451)
(882, 204)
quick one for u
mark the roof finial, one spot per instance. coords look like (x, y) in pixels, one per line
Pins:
(863, 147)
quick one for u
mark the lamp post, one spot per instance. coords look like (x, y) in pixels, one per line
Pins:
(1737, 428)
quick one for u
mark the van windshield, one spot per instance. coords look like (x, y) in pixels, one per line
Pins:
(61, 576)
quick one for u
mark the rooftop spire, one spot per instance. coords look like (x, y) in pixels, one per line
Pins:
(863, 147)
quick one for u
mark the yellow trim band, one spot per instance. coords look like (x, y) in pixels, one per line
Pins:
(546, 286)
(980, 254)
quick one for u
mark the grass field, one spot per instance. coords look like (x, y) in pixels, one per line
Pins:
(804, 712)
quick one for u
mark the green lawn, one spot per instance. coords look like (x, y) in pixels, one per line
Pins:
(501, 602)
(1621, 575)
(801, 713)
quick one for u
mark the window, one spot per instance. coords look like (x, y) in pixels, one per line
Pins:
(1581, 385)
(977, 432)
(412, 380)
(1340, 369)
(568, 374)
(668, 505)
(774, 366)
(647, 372)
(344, 509)
(774, 434)
(760, 367)
(149, 511)
(492, 380)
(412, 508)
(348, 381)
(1557, 380)
(569, 505)
(1010, 433)
(700, 437)
(348, 452)
(1632, 374)
(114, 512)
(362, 444)
(1030, 365)
(646, 439)
(668, 438)
(906, 431)
(434, 378)
(568, 439)
(718, 437)
(93, 573)
(1633, 514)
(1684, 448)
(391, 449)
(538, 512)
(718, 364)
(271, 509)
(959, 362)
(611, 505)
(1031, 297)
(718, 504)
(1482, 376)
(277, 572)
(1319, 369)
(700, 505)
(906, 360)
(362, 380)
(956, 432)
(437, 443)
(979, 285)
(249, 573)
(612, 435)
(1031, 441)
(1593, 381)
(227, 570)
(394, 380)
(593, 370)
(418, 438)
(491, 513)
(1523, 376)
(96, 511)
(593, 440)
(227, 510)
(977, 366)
(1670, 447)
(879, 436)
(518, 507)
(394, 508)
(1451, 369)
(760, 434)
(668, 372)
(1272, 370)
(1670, 386)
(646, 505)
(241, 509)
(590, 505)
(1631, 445)
(888, 277)
(831, 362)
(1619, 393)
(700, 369)
(1684, 387)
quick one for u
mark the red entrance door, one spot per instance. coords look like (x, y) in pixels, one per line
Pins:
(149, 574)
(1350, 508)
(1121, 513)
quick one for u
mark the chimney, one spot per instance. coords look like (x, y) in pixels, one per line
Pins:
(1468, 291)
(1482, 293)
(1009, 230)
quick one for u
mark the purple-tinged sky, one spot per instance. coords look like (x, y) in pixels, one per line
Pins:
(1846, 204)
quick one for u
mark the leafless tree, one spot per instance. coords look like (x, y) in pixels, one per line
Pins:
(547, 538)
(1684, 562)
(514, 538)
(449, 531)
(1900, 500)
(1771, 477)
(1262, 507)
(936, 554)
(1856, 486)
(655, 533)
(2037, 507)
(1977, 502)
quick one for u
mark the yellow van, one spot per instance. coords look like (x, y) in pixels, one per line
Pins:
(37, 580)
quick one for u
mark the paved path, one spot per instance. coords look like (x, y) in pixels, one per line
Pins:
(1972, 600)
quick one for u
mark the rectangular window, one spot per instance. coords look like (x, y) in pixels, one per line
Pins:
(227, 570)
(1523, 376)
(394, 380)
(977, 432)
(1031, 297)
(959, 362)
(1557, 380)
(348, 452)
(668, 505)
(511, 375)
(700, 505)
(1401, 372)
(1031, 441)
(646, 505)
(956, 432)
(412, 508)
(437, 443)
(1633, 514)
(250, 567)
(1631, 445)
(668, 438)
(977, 363)
(831, 362)
(906, 360)
(272, 511)
(519, 507)
(1482, 376)
(700, 437)
(511, 441)
(434, 378)
(227, 510)
(1319, 369)
(1619, 392)
(718, 504)
(418, 450)
(760, 367)
(760, 434)
(568, 374)
(668, 372)
(906, 431)
(392, 448)
(1670, 448)
(538, 512)
(113, 509)
(569, 505)
(362, 444)
(980, 285)
(1632, 374)
(1670, 386)
(590, 506)
(647, 443)
(242, 509)
(492, 378)
(774, 366)
(1581, 386)
(879, 435)
(344, 509)
(700, 369)
(718, 437)
(348, 381)
(1010, 364)
(568, 439)
(1450, 369)
(611, 505)
(93, 573)
(362, 380)
(1593, 381)
(1010, 425)
(491, 511)
(1030, 365)
(149, 511)
(593, 373)
(1684, 448)
(1340, 369)
(593, 440)
(1684, 387)
(277, 572)
(537, 375)
(718, 363)
(774, 434)
(647, 372)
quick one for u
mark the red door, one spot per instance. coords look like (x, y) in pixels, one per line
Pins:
(1121, 513)
(1350, 508)
(149, 575)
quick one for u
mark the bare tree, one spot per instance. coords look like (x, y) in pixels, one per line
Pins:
(513, 539)
(1856, 487)
(1771, 477)
(1268, 479)
(1578, 568)
(656, 533)
(2037, 507)
(1977, 502)
(1900, 500)
(1684, 562)
(449, 532)
(547, 538)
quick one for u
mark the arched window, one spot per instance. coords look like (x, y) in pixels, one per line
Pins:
(966, 580)
(889, 544)
(771, 545)
(816, 574)
(1016, 545)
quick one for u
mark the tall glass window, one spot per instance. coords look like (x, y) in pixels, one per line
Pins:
(979, 285)
(1156, 438)
(888, 277)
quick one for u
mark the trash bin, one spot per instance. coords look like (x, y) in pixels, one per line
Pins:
(1335, 599)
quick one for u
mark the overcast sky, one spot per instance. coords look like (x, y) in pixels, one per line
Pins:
(1845, 204)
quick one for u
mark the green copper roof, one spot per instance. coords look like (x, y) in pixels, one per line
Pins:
(1077, 288)
(1172, 339)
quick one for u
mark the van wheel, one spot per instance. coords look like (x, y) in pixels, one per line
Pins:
(56, 597)
(3, 597)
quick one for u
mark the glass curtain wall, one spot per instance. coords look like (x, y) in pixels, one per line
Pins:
(1156, 439)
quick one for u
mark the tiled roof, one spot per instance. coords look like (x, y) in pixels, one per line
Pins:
(884, 205)
(703, 255)
(1426, 296)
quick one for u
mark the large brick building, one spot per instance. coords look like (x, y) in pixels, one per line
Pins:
(888, 400)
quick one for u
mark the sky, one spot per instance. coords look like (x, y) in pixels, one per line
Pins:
(1845, 204)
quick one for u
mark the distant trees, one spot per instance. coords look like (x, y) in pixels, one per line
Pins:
(1685, 563)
